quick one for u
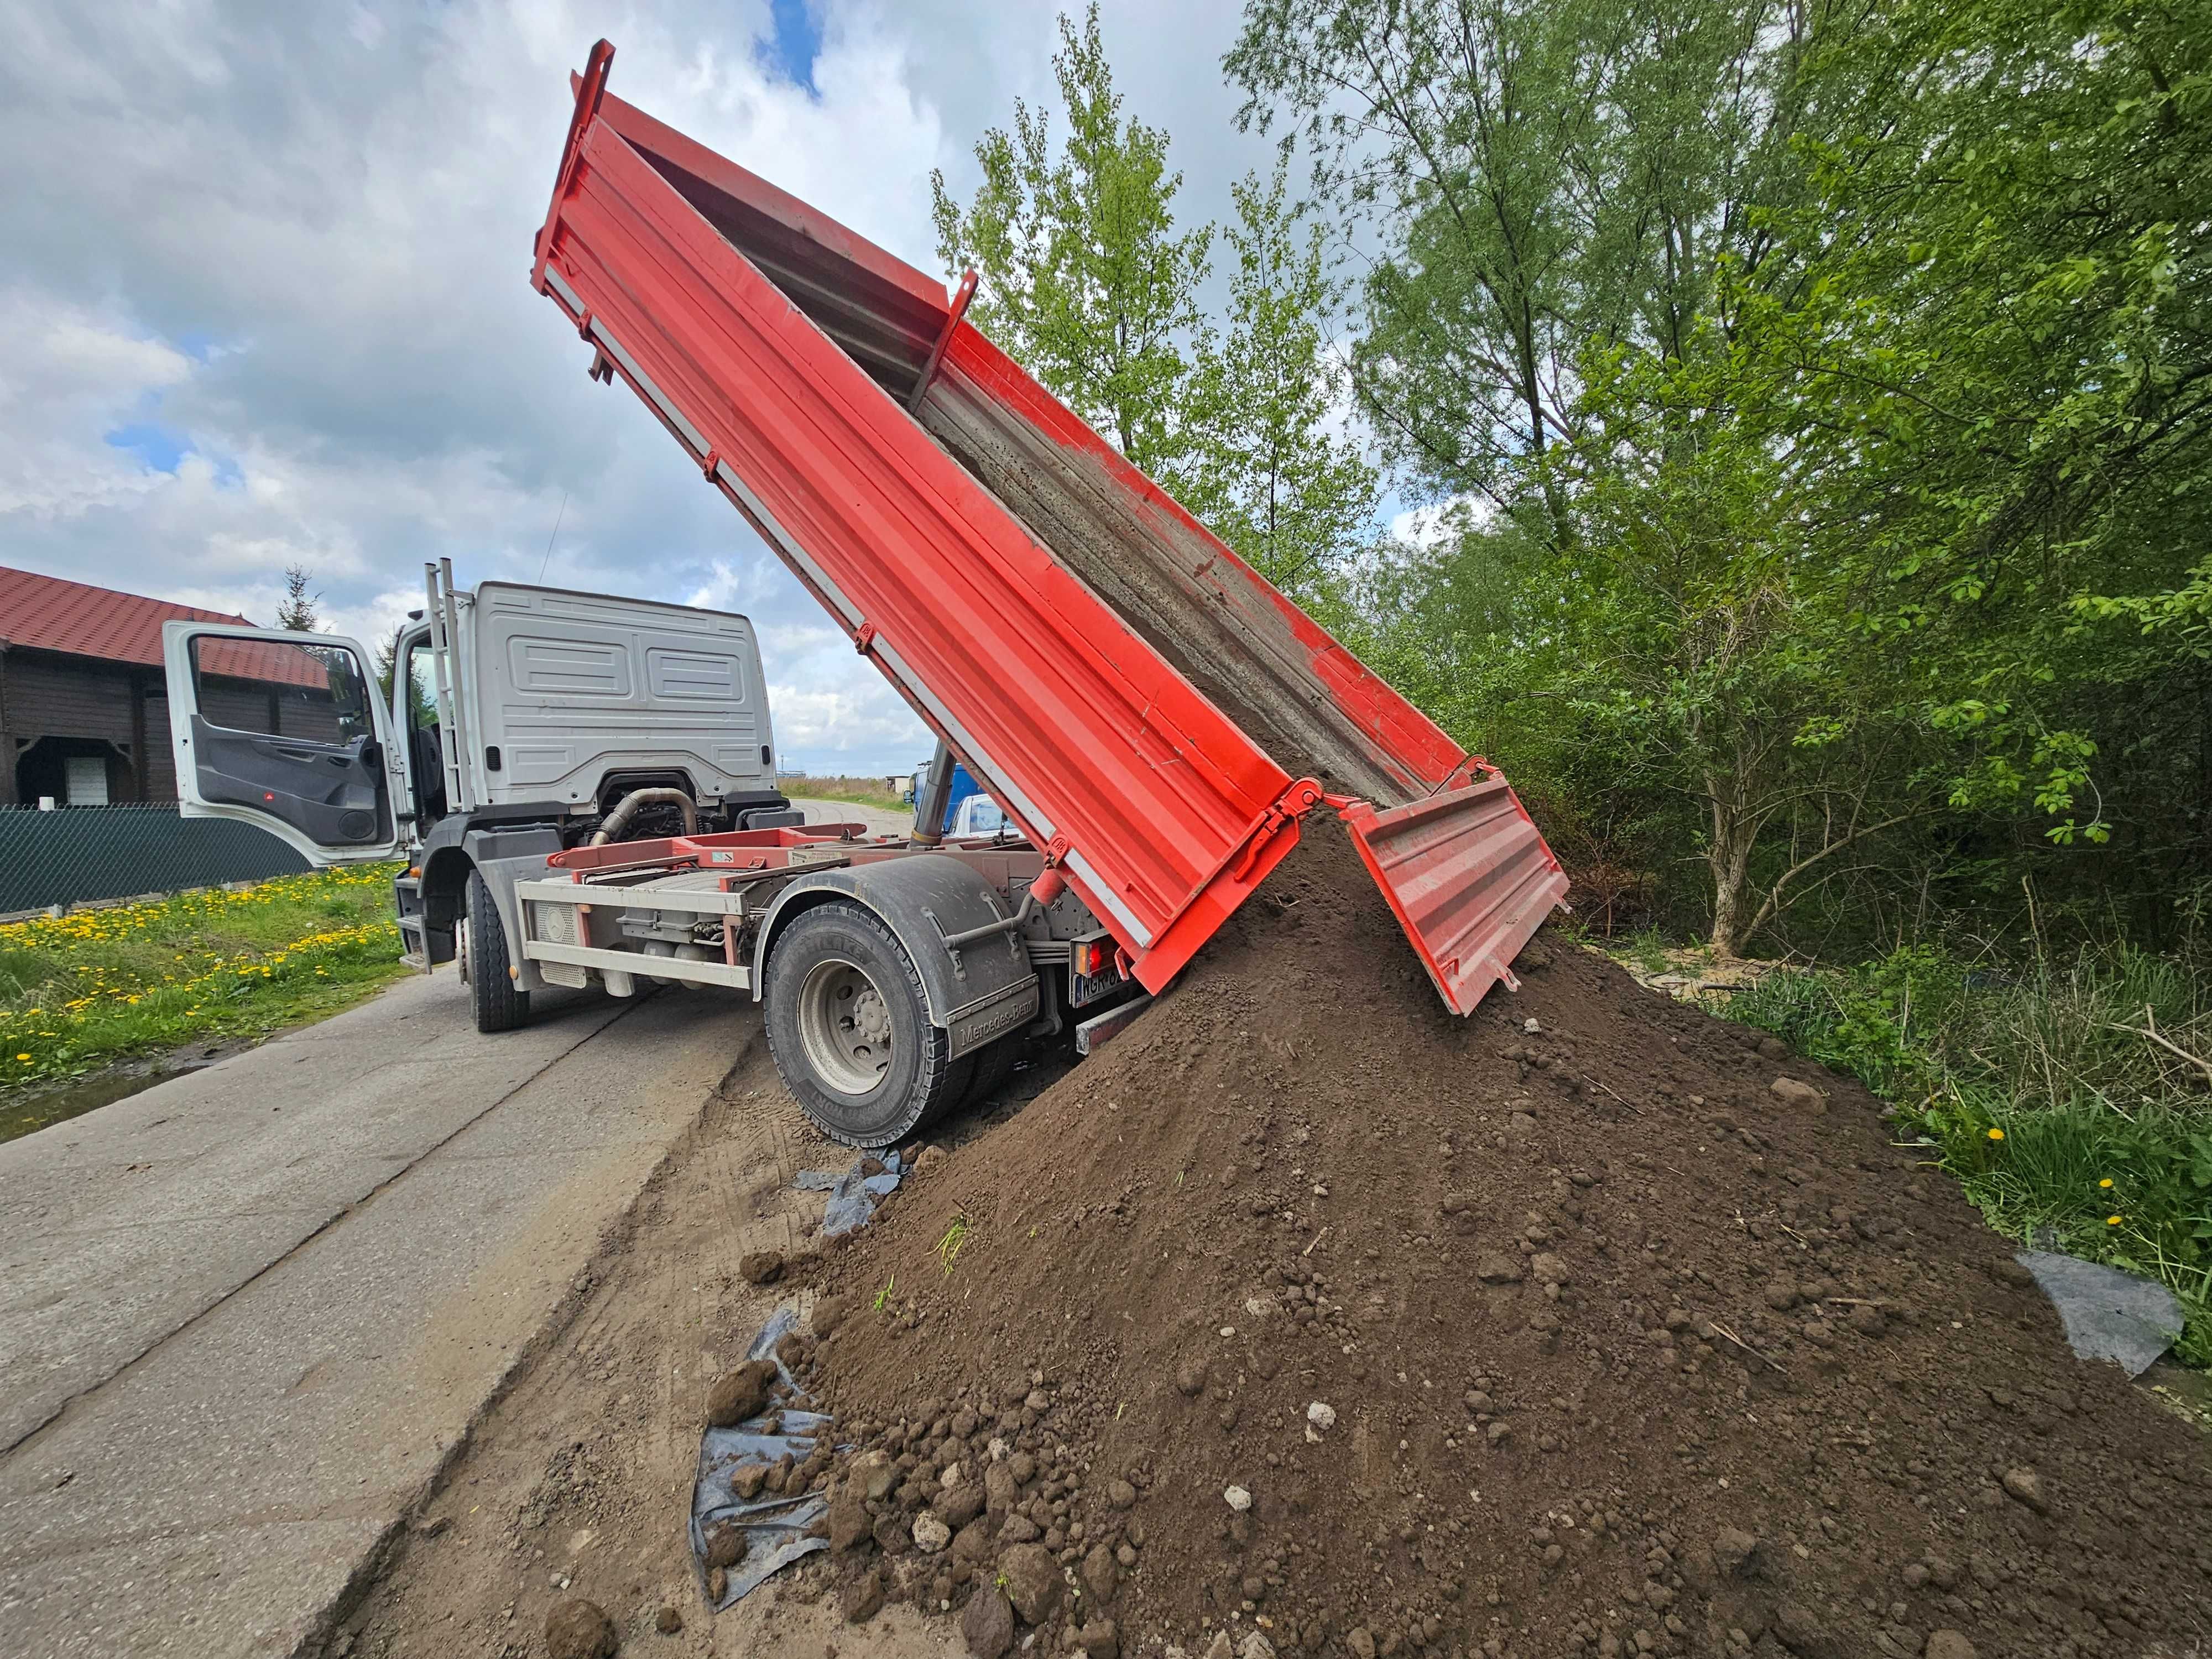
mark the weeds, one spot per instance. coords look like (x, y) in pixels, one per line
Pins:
(883, 1296)
(80, 990)
(955, 1240)
(1649, 951)
(2042, 1092)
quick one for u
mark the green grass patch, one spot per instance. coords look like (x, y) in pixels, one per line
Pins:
(859, 792)
(2069, 1100)
(81, 991)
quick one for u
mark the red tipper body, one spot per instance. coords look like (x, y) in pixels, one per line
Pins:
(1156, 716)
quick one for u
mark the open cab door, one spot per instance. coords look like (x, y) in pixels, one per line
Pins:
(285, 730)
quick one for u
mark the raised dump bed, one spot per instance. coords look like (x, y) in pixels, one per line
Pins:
(1155, 715)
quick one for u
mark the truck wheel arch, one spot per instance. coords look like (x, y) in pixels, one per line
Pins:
(504, 856)
(980, 992)
(445, 885)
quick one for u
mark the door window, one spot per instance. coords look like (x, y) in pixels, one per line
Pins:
(426, 758)
(312, 693)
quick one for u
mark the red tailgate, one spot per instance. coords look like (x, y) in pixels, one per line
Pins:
(1469, 878)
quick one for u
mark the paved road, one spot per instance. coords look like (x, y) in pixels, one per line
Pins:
(879, 821)
(246, 1315)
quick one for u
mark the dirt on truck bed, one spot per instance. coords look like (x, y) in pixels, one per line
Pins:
(1306, 1311)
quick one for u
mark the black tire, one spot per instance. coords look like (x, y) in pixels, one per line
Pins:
(498, 1005)
(812, 987)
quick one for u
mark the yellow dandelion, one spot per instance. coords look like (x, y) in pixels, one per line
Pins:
(1996, 1135)
(2106, 1183)
(2112, 1221)
(26, 1059)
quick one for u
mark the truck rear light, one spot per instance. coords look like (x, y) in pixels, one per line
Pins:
(1092, 957)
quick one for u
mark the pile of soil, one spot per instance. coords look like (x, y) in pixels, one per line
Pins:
(1306, 1311)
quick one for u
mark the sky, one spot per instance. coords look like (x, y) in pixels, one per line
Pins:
(266, 268)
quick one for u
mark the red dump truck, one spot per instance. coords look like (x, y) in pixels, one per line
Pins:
(1155, 719)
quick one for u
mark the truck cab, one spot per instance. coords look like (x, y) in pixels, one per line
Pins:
(507, 719)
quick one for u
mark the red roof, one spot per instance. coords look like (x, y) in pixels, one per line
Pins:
(45, 613)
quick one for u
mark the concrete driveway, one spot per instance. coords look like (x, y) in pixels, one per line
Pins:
(246, 1315)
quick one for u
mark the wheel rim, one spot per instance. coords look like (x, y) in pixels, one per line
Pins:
(845, 1025)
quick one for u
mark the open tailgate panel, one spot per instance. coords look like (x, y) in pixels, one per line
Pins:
(1468, 878)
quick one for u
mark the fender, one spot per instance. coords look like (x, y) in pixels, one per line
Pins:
(978, 993)
(506, 855)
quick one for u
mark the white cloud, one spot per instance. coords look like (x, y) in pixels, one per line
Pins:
(1437, 522)
(267, 266)
(70, 378)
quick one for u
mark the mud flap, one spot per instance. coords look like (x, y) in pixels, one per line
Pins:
(1467, 876)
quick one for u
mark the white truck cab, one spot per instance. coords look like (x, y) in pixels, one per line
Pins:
(522, 713)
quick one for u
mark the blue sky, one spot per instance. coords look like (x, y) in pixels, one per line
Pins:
(794, 42)
(159, 447)
(269, 299)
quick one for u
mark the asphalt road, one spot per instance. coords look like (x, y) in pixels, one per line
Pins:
(879, 821)
(247, 1315)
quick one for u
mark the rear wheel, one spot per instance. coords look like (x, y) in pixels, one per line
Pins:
(498, 1005)
(849, 1028)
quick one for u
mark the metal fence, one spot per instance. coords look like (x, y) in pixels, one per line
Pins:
(77, 853)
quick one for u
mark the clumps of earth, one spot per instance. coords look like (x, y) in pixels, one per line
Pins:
(1306, 1319)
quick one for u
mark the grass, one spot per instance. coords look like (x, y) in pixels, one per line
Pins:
(2049, 1093)
(861, 792)
(1647, 950)
(81, 991)
(955, 1241)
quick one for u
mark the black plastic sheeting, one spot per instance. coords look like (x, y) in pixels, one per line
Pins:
(775, 1526)
(852, 1194)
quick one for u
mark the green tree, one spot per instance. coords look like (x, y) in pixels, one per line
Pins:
(1265, 471)
(1543, 177)
(1837, 385)
(1572, 201)
(1085, 278)
(2009, 373)
(298, 613)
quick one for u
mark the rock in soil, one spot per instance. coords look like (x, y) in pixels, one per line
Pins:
(1032, 1582)
(577, 1629)
(1802, 1095)
(668, 1620)
(761, 1267)
(739, 1393)
(987, 1624)
(1591, 1349)
(849, 1524)
(862, 1598)
(725, 1546)
(830, 1312)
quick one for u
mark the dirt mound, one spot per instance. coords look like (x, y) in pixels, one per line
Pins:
(1307, 1309)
